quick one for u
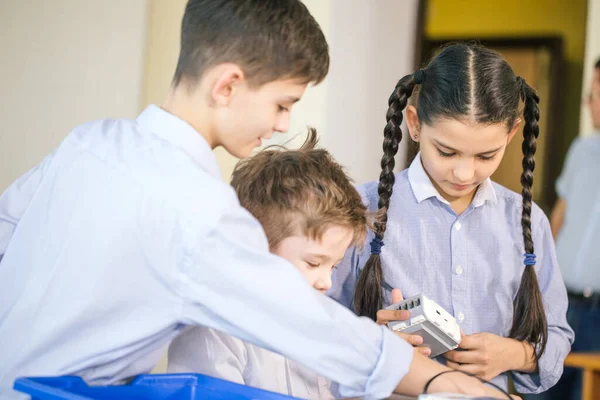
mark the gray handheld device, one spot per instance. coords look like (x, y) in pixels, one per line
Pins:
(439, 329)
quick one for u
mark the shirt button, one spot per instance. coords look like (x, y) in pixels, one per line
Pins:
(458, 226)
(461, 316)
(459, 270)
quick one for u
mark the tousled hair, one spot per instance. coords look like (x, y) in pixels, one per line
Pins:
(299, 192)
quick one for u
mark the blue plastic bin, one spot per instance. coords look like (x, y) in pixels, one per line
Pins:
(144, 387)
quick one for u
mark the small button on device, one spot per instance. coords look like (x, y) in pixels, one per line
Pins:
(399, 326)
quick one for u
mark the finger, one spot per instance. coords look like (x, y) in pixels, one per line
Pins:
(385, 316)
(451, 356)
(462, 357)
(470, 342)
(415, 340)
(396, 296)
(426, 351)
(452, 364)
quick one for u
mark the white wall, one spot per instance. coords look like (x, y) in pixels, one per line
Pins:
(64, 62)
(372, 47)
(592, 53)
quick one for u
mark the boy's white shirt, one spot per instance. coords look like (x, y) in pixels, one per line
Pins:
(214, 353)
(126, 234)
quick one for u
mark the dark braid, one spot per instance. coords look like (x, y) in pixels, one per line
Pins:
(368, 298)
(529, 320)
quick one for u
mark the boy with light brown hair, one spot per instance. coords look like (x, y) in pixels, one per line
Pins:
(311, 214)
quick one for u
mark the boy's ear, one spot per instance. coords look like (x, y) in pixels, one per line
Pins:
(227, 80)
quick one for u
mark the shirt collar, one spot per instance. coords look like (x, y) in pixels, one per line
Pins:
(181, 134)
(423, 189)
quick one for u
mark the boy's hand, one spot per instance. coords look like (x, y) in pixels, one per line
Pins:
(385, 316)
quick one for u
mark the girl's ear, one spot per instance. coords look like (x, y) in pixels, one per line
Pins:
(514, 130)
(412, 120)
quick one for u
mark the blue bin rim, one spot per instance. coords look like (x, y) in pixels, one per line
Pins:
(57, 388)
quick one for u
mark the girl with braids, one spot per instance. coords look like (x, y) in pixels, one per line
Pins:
(481, 251)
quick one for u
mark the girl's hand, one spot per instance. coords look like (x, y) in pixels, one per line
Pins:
(385, 316)
(483, 354)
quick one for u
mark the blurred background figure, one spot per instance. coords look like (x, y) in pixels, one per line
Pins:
(575, 224)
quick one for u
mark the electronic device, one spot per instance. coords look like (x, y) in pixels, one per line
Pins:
(439, 329)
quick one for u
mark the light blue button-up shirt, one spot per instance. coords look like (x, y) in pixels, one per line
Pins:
(126, 233)
(470, 264)
(577, 243)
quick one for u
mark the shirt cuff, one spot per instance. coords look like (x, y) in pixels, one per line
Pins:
(393, 364)
(549, 371)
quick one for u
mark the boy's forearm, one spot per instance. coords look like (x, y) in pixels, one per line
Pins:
(422, 369)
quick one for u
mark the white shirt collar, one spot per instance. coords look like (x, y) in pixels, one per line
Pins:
(423, 188)
(181, 134)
